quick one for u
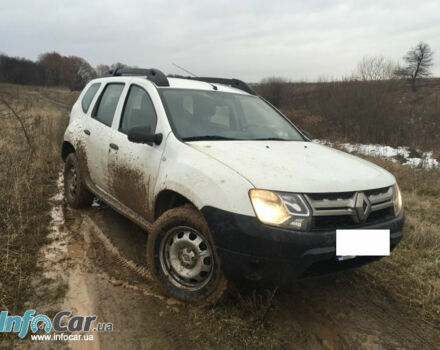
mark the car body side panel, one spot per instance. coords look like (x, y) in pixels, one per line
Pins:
(201, 179)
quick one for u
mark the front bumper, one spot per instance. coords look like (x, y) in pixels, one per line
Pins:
(255, 251)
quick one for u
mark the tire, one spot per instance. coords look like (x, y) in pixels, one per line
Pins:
(75, 191)
(180, 241)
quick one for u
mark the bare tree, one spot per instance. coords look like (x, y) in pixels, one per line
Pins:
(52, 64)
(118, 65)
(101, 69)
(83, 72)
(73, 72)
(375, 68)
(418, 63)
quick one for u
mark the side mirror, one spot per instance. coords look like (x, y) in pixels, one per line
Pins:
(144, 135)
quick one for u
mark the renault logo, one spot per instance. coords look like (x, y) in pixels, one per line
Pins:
(362, 206)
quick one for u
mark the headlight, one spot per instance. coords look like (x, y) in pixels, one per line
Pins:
(397, 200)
(281, 209)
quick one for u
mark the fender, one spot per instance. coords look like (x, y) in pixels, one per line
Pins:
(189, 172)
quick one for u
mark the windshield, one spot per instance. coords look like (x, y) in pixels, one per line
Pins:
(214, 115)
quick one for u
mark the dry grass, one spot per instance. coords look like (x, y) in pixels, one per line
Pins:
(26, 181)
(238, 322)
(385, 112)
(411, 275)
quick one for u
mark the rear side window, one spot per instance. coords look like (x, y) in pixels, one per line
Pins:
(88, 96)
(106, 108)
(138, 111)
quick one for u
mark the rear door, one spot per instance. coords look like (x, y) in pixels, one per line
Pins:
(99, 133)
(133, 167)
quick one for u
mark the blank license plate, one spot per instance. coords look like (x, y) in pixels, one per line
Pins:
(362, 243)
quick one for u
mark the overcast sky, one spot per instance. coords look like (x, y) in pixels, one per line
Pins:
(297, 40)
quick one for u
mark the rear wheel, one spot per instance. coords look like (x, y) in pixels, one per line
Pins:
(76, 193)
(183, 259)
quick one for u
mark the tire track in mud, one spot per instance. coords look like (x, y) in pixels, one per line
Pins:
(77, 297)
(344, 316)
(168, 334)
(123, 293)
(111, 248)
(120, 281)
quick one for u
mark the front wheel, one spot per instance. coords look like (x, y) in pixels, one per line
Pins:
(182, 257)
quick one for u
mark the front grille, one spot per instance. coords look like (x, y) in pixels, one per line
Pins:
(332, 222)
(335, 222)
(350, 209)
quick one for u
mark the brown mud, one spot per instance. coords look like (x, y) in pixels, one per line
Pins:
(131, 188)
(95, 265)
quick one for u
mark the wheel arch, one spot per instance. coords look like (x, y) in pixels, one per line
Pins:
(168, 199)
(66, 149)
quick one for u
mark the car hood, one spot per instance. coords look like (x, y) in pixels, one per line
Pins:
(293, 166)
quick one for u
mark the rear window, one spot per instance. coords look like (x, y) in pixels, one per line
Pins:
(88, 96)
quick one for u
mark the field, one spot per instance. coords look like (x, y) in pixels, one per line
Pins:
(93, 261)
(384, 112)
(28, 171)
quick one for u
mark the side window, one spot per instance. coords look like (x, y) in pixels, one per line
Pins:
(138, 111)
(105, 110)
(88, 96)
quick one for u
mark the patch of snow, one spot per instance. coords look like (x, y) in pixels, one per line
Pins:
(395, 154)
(377, 150)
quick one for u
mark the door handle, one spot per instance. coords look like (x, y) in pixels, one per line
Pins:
(87, 132)
(114, 146)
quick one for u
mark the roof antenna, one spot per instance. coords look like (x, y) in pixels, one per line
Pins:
(187, 71)
(195, 76)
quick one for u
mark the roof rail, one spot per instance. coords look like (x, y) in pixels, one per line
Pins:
(238, 84)
(154, 75)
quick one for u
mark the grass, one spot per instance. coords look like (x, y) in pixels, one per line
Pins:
(412, 273)
(26, 181)
(237, 322)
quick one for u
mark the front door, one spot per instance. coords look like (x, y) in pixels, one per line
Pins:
(133, 167)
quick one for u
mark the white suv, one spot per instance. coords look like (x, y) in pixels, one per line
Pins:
(225, 185)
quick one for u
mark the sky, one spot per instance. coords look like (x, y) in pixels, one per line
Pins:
(248, 40)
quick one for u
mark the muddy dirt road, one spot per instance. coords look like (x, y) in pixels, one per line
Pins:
(95, 265)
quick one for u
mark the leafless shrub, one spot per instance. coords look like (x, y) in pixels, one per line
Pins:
(373, 68)
(16, 110)
(273, 90)
(373, 111)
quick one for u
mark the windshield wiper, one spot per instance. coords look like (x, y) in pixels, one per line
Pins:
(271, 139)
(207, 137)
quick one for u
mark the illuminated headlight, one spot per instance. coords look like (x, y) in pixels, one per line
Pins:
(287, 210)
(397, 200)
